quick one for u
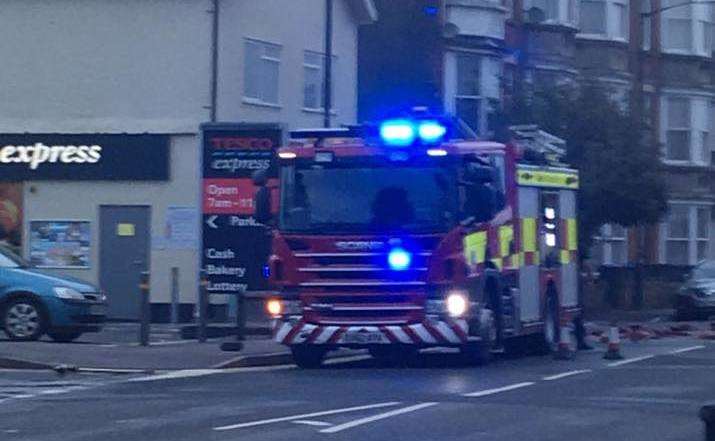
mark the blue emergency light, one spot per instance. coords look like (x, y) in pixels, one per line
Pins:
(399, 259)
(404, 132)
(398, 132)
(431, 131)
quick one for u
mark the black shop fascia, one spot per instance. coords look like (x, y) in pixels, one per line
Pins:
(88, 157)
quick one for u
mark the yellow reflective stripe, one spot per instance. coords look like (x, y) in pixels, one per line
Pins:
(498, 262)
(551, 179)
(528, 234)
(506, 235)
(572, 235)
(475, 247)
(565, 257)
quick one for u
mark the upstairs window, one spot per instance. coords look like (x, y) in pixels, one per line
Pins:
(261, 72)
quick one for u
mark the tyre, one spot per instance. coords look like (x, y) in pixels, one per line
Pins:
(480, 353)
(64, 336)
(308, 357)
(24, 319)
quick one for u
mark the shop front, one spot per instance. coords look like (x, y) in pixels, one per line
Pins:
(104, 208)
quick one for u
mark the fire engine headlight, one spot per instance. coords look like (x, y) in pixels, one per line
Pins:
(457, 304)
(274, 307)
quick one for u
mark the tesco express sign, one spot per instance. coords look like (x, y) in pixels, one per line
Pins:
(38, 153)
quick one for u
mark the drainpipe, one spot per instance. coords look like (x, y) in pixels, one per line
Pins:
(214, 59)
(327, 80)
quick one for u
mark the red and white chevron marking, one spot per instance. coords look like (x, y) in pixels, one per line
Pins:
(425, 333)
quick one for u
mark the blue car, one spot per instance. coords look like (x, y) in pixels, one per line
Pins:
(33, 303)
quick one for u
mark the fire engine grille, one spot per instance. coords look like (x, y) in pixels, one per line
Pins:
(358, 288)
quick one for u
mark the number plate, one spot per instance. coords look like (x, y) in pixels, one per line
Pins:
(98, 310)
(362, 337)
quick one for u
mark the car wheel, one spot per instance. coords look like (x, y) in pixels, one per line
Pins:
(24, 320)
(307, 357)
(64, 336)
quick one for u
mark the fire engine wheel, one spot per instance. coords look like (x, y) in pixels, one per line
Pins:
(480, 353)
(307, 357)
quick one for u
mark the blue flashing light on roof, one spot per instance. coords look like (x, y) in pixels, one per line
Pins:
(398, 132)
(399, 259)
(431, 131)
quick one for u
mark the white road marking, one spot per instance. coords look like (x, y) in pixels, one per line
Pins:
(630, 360)
(347, 359)
(486, 392)
(312, 423)
(306, 415)
(688, 349)
(380, 416)
(186, 373)
(566, 374)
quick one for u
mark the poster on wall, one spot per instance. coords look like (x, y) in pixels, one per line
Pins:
(59, 244)
(234, 244)
(11, 215)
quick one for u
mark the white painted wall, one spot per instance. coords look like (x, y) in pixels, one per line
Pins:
(73, 66)
(296, 26)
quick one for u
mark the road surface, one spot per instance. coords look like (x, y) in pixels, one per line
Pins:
(654, 394)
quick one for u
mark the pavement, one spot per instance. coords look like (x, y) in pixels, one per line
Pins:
(653, 394)
(116, 349)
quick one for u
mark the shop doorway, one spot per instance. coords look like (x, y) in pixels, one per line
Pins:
(124, 254)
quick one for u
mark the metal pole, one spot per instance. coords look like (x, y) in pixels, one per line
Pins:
(174, 295)
(707, 414)
(203, 307)
(144, 309)
(214, 59)
(327, 81)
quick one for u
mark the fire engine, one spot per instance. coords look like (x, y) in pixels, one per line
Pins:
(408, 234)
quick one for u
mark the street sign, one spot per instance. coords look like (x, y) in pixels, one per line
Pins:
(234, 244)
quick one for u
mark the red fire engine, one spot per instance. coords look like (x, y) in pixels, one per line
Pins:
(402, 236)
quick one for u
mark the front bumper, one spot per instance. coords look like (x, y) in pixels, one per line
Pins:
(443, 332)
(77, 315)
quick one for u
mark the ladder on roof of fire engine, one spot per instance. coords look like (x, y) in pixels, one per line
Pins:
(530, 137)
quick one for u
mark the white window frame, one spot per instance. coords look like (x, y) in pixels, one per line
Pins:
(699, 124)
(320, 69)
(701, 18)
(558, 12)
(264, 58)
(490, 73)
(608, 240)
(692, 236)
(612, 24)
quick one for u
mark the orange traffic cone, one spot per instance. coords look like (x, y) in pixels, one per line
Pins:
(564, 350)
(614, 345)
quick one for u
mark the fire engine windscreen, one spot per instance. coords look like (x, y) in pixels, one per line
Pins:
(342, 198)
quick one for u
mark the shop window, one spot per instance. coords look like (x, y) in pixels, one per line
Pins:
(261, 72)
